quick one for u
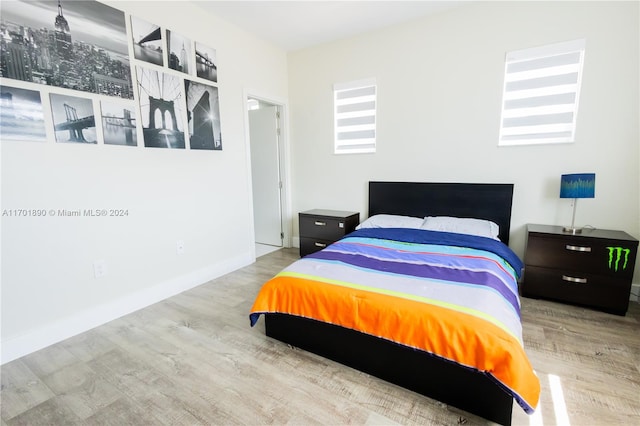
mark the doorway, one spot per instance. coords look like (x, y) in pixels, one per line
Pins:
(266, 176)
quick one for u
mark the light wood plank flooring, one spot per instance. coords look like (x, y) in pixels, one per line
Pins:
(193, 359)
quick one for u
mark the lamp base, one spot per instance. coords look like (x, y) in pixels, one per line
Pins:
(572, 230)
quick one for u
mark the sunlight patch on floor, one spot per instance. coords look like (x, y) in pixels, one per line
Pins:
(559, 405)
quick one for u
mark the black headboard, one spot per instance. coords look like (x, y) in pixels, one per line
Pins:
(491, 201)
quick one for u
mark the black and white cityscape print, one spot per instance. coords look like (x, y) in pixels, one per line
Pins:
(147, 41)
(203, 114)
(80, 45)
(119, 123)
(206, 62)
(74, 119)
(179, 52)
(21, 115)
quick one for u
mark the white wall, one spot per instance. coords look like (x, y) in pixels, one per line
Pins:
(439, 95)
(200, 197)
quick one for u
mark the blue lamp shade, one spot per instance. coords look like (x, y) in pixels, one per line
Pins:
(578, 185)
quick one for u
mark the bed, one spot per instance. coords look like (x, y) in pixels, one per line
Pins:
(387, 291)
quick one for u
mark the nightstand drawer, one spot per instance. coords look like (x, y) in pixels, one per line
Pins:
(323, 228)
(590, 255)
(606, 293)
(311, 245)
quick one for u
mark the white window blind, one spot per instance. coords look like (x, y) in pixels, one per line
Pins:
(355, 117)
(541, 92)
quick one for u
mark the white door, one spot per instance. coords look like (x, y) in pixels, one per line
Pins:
(265, 172)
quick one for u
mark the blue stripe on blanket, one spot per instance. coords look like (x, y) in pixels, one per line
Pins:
(423, 236)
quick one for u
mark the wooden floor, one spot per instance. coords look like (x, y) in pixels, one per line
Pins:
(193, 359)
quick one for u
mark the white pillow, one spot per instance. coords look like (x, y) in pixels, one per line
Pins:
(391, 221)
(459, 225)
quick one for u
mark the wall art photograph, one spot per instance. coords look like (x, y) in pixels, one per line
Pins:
(80, 45)
(21, 115)
(206, 62)
(147, 41)
(73, 119)
(119, 123)
(179, 52)
(203, 115)
(161, 109)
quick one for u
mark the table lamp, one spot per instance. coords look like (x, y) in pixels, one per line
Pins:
(577, 185)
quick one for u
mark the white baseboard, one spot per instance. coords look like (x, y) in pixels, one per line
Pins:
(295, 241)
(49, 334)
(635, 293)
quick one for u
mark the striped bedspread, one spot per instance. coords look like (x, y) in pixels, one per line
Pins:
(452, 295)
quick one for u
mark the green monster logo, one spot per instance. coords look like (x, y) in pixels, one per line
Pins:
(617, 253)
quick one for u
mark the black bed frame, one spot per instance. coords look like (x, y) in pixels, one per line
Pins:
(413, 369)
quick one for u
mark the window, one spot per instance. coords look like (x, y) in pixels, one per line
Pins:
(355, 117)
(541, 92)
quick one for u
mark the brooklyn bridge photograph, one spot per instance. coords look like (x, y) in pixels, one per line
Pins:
(80, 45)
(119, 123)
(161, 109)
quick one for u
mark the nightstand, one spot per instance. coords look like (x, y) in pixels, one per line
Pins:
(319, 228)
(594, 268)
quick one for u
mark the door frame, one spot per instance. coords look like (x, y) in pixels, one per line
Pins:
(284, 158)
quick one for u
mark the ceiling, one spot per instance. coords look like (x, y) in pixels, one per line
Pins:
(294, 25)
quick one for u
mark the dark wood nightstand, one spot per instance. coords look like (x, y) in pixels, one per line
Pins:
(594, 268)
(319, 228)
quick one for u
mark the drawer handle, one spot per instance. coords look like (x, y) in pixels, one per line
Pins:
(320, 245)
(318, 223)
(574, 280)
(577, 248)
